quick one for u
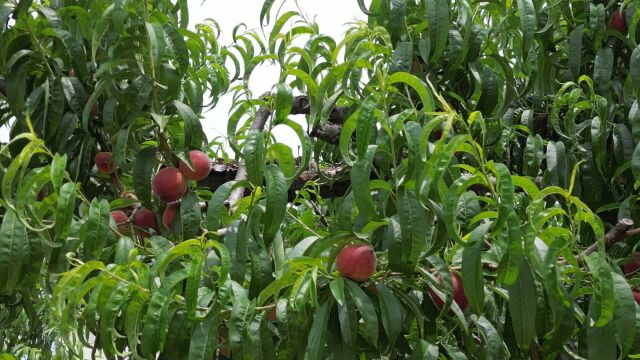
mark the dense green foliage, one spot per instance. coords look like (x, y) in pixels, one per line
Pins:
(492, 139)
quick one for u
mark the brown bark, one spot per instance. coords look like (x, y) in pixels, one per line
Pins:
(620, 231)
(301, 105)
(334, 183)
(328, 131)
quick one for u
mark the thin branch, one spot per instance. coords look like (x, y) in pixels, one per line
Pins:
(618, 232)
(117, 183)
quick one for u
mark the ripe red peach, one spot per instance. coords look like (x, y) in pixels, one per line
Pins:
(169, 214)
(223, 342)
(618, 21)
(201, 166)
(272, 314)
(94, 109)
(169, 184)
(632, 265)
(357, 262)
(105, 162)
(146, 219)
(458, 293)
(121, 219)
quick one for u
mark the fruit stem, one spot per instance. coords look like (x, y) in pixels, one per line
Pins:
(166, 150)
(117, 183)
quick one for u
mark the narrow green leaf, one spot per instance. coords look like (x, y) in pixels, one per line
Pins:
(601, 343)
(156, 42)
(492, 340)
(145, 163)
(439, 23)
(65, 209)
(522, 306)
(253, 151)
(418, 85)
(13, 241)
(108, 317)
(236, 240)
(123, 248)
(192, 125)
(604, 289)
(365, 124)
(472, 275)
(284, 102)
(132, 317)
(150, 341)
(635, 165)
(634, 70)
(603, 69)
(367, 310)
(360, 175)
(190, 215)
(415, 225)
(575, 51)
(97, 228)
(318, 332)
(216, 205)
(424, 350)
(193, 284)
(528, 23)
(58, 168)
(390, 312)
(276, 206)
(508, 219)
(624, 316)
(241, 315)
(204, 337)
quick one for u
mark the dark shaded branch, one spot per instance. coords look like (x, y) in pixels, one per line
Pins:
(259, 122)
(328, 132)
(325, 131)
(220, 174)
(301, 106)
(618, 232)
(333, 182)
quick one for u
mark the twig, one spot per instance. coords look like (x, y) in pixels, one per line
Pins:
(117, 183)
(165, 148)
(618, 232)
(318, 211)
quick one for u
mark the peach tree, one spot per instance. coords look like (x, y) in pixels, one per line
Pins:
(465, 185)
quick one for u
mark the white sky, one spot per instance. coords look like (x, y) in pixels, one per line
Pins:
(331, 15)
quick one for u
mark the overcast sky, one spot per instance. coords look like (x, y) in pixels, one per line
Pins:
(331, 15)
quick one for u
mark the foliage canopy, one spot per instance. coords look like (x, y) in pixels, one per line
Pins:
(498, 140)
